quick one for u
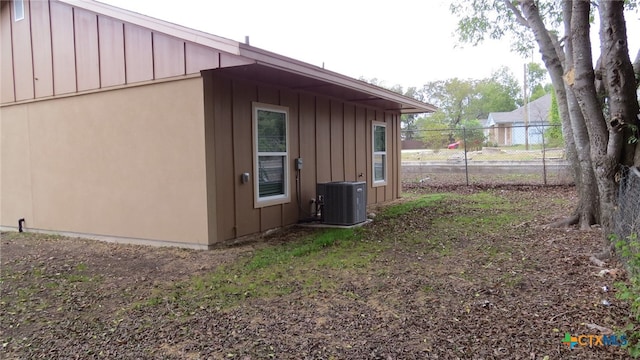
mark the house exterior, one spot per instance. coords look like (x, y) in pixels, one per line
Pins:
(121, 127)
(509, 128)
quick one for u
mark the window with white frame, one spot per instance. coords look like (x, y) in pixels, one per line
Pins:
(379, 157)
(271, 154)
(18, 10)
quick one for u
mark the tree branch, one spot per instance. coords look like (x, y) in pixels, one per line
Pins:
(519, 18)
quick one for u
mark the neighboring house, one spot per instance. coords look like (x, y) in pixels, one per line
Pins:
(121, 127)
(509, 128)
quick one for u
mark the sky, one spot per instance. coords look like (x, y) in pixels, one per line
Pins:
(397, 42)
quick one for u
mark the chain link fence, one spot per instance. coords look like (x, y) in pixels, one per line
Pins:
(519, 155)
(626, 220)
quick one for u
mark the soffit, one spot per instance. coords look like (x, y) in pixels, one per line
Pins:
(285, 78)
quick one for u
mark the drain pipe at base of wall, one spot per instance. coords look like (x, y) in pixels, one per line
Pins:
(20, 225)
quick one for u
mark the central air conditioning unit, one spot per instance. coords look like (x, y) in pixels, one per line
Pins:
(342, 202)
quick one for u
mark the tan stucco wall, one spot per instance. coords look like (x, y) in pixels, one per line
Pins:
(126, 163)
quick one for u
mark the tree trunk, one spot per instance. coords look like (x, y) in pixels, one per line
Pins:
(604, 143)
(589, 203)
(572, 127)
(619, 81)
(636, 69)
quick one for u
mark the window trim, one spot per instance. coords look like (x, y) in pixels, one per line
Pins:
(374, 182)
(259, 202)
(15, 10)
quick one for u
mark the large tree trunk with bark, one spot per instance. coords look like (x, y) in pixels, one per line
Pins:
(607, 135)
(619, 81)
(603, 157)
(573, 129)
(589, 201)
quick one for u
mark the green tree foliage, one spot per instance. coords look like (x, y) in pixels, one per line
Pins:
(500, 92)
(461, 100)
(452, 97)
(553, 135)
(536, 76)
(433, 132)
(408, 121)
(496, 19)
(472, 133)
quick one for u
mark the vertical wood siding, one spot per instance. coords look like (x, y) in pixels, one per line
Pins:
(391, 160)
(333, 139)
(58, 49)
(138, 50)
(248, 218)
(223, 149)
(63, 49)
(361, 144)
(168, 56)
(22, 60)
(337, 141)
(306, 129)
(211, 111)
(111, 42)
(86, 44)
(323, 141)
(372, 196)
(350, 168)
(7, 91)
(41, 40)
(199, 57)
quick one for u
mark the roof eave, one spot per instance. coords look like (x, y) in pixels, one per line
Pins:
(267, 58)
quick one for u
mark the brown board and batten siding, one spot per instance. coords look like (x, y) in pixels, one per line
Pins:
(337, 141)
(7, 91)
(59, 49)
(288, 98)
(307, 148)
(41, 40)
(247, 218)
(21, 37)
(350, 143)
(332, 137)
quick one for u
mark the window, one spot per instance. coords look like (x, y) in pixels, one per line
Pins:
(379, 153)
(271, 154)
(18, 10)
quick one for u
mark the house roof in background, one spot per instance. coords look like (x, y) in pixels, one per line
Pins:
(538, 112)
(268, 66)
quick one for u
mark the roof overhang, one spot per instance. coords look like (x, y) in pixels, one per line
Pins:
(289, 73)
(356, 93)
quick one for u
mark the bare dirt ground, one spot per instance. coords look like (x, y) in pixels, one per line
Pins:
(507, 295)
